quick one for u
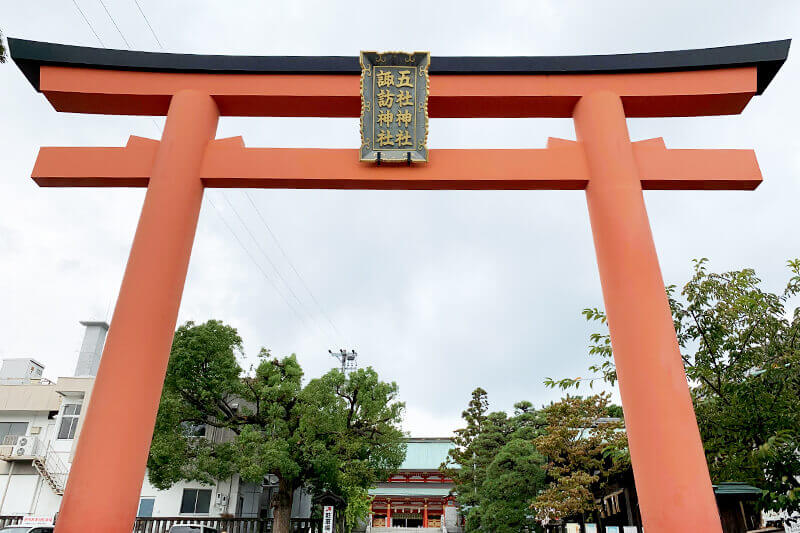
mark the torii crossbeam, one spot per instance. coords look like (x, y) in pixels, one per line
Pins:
(598, 92)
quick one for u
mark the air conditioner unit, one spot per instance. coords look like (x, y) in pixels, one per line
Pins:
(26, 446)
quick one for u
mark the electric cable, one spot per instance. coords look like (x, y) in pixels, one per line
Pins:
(291, 264)
(253, 259)
(114, 22)
(147, 21)
(86, 20)
(272, 264)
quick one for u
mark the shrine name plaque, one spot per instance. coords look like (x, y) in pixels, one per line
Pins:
(394, 107)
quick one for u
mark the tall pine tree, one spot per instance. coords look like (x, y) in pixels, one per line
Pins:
(500, 469)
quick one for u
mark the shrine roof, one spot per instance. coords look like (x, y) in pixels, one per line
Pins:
(732, 488)
(766, 56)
(425, 453)
(409, 491)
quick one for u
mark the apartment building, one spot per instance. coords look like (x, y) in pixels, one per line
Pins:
(40, 422)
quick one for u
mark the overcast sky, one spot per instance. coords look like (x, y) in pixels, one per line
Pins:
(439, 291)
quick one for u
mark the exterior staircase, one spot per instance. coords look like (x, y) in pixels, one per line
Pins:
(43, 458)
(52, 470)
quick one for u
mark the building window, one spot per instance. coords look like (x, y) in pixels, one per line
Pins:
(193, 430)
(146, 507)
(17, 429)
(196, 501)
(69, 421)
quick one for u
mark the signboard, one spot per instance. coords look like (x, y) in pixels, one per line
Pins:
(327, 519)
(37, 521)
(612, 529)
(394, 107)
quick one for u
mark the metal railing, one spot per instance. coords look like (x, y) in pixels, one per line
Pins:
(54, 469)
(45, 459)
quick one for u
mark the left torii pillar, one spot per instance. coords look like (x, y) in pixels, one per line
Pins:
(131, 374)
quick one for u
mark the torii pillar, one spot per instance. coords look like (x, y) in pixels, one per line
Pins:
(598, 92)
(652, 381)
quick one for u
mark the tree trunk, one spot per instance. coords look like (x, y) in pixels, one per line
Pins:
(282, 508)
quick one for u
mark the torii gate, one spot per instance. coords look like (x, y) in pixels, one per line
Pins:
(598, 92)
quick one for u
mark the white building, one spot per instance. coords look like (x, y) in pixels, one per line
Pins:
(40, 422)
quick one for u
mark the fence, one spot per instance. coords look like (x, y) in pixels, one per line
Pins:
(9, 520)
(229, 525)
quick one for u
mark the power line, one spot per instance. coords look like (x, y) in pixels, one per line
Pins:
(127, 44)
(99, 40)
(264, 253)
(148, 24)
(286, 256)
(114, 22)
(253, 259)
(219, 213)
(86, 20)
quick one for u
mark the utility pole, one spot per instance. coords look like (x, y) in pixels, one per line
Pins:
(346, 359)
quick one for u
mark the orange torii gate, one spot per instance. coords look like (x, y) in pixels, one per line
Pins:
(598, 92)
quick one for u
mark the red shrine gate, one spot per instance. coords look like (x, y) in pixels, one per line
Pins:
(598, 92)
(424, 512)
(418, 495)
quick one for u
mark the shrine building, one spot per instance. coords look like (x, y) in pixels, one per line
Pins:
(418, 495)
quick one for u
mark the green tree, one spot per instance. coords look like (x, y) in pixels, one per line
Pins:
(336, 433)
(740, 348)
(359, 505)
(495, 467)
(514, 477)
(466, 462)
(583, 454)
(614, 411)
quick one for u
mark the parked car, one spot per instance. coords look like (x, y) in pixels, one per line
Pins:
(27, 529)
(189, 528)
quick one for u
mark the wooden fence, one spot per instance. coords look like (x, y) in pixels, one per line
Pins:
(229, 525)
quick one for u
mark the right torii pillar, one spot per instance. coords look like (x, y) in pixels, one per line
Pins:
(666, 450)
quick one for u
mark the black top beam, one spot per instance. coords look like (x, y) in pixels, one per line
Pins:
(767, 57)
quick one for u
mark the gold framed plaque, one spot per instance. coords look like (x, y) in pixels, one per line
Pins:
(394, 107)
